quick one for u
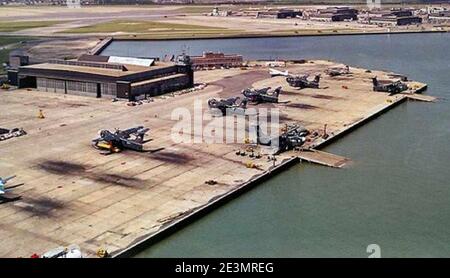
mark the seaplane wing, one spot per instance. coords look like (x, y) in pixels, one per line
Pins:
(274, 72)
(5, 180)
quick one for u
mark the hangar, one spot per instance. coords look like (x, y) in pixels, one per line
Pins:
(107, 76)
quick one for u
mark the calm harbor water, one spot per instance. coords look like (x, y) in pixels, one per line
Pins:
(396, 194)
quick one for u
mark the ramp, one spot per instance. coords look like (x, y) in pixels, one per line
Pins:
(421, 97)
(323, 158)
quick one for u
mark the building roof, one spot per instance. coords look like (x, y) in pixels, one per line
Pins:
(131, 61)
(98, 70)
(215, 55)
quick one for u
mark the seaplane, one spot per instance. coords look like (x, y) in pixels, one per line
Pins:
(266, 94)
(274, 72)
(292, 136)
(119, 140)
(233, 105)
(302, 81)
(391, 87)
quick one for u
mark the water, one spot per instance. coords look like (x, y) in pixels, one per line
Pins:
(397, 193)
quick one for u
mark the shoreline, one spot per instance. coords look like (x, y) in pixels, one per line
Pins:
(255, 36)
(212, 205)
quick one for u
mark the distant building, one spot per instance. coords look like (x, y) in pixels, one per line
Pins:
(395, 20)
(335, 14)
(276, 64)
(440, 17)
(105, 76)
(390, 17)
(269, 13)
(217, 12)
(282, 13)
(384, 13)
(211, 60)
(435, 9)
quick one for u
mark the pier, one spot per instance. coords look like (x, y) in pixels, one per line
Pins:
(101, 46)
(74, 195)
(421, 97)
(323, 158)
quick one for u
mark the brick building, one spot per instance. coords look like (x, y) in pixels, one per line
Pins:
(216, 60)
